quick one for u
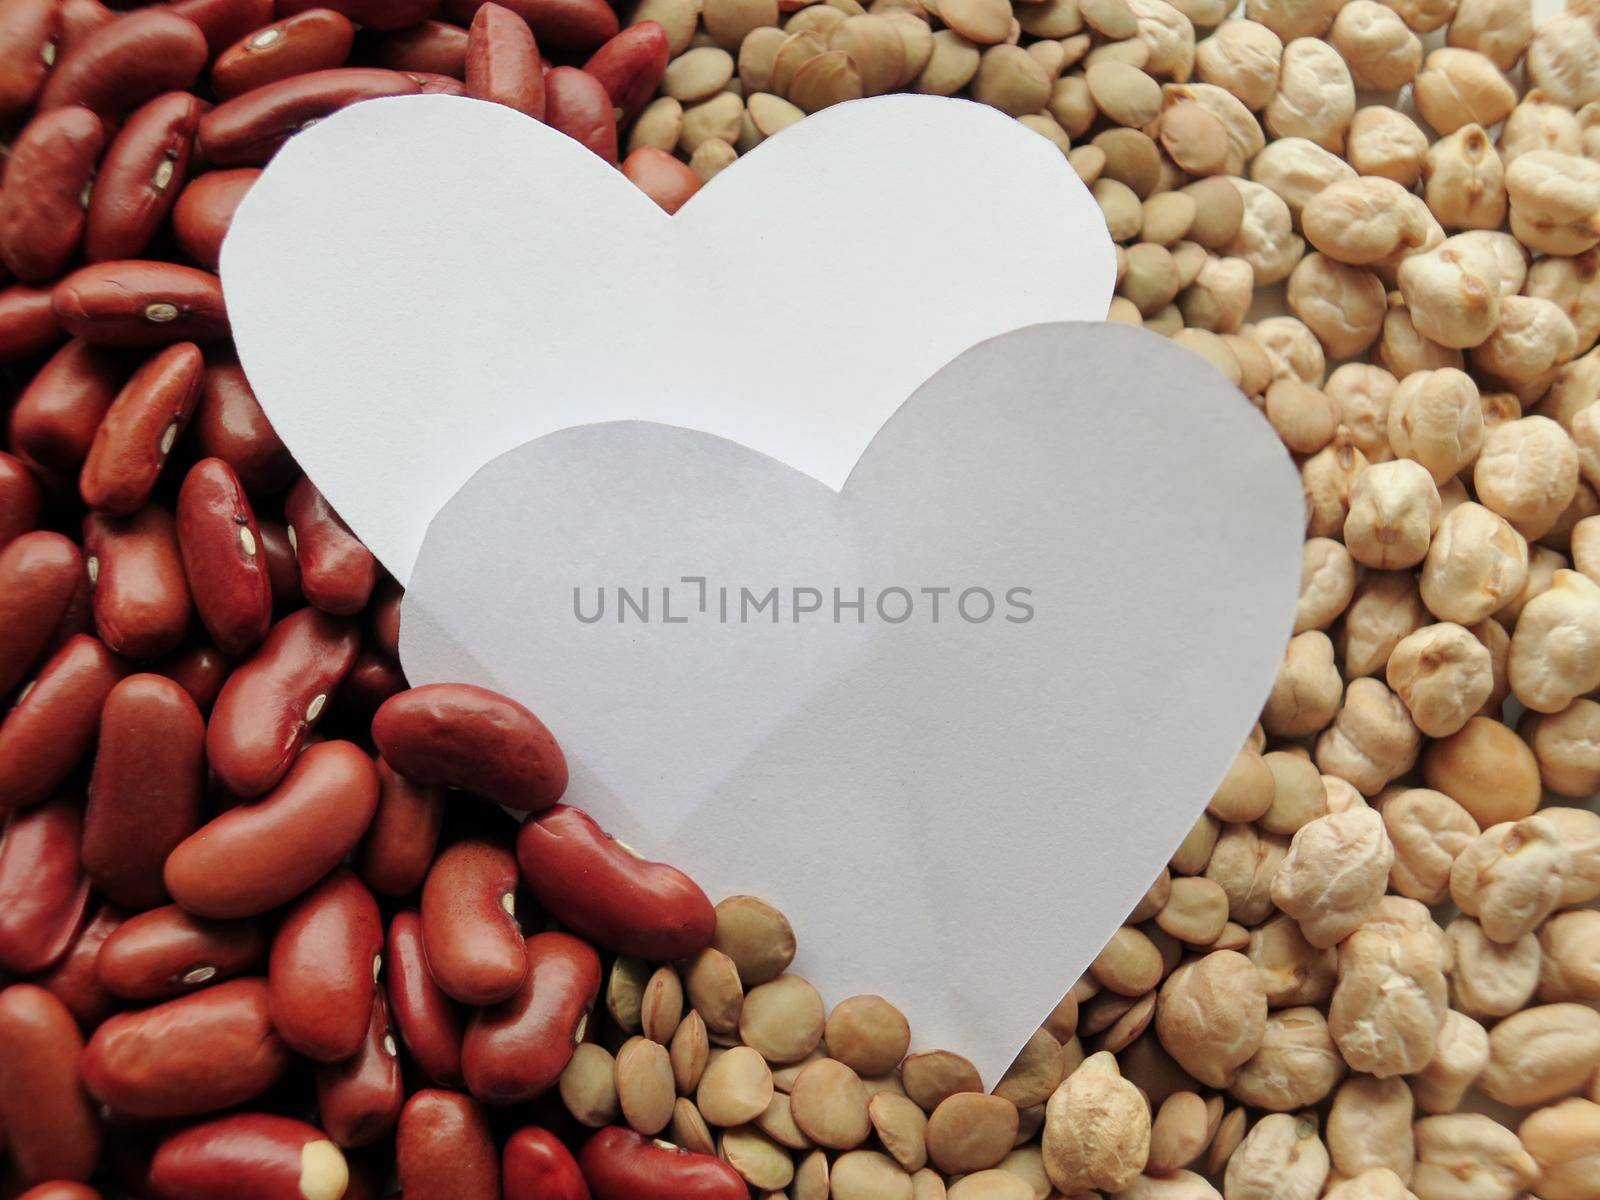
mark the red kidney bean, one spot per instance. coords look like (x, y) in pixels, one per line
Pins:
(469, 926)
(663, 178)
(75, 979)
(430, 84)
(257, 856)
(147, 788)
(471, 738)
(597, 887)
(43, 890)
(80, 19)
(204, 211)
(121, 65)
(167, 952)
(630, 67)
(273, 699)
(619, 1164)
(132, 302)
(380, 15)
(249, 1156)
(41, 574)
(206, 1051)
(141, 176)
(537, 1166)
(443, 1149)
(249, 129)
(395, 855)
(359, 1100)
(199, 670)
(230, 425)
(324, 968)
(313, 40)
(503, 61)
(224, 22)
(576, 103)
(27, 30)
(47, 183)
(569, 25)
(427, 1020)
(50, 1130)
(221, 546)
(50, 729)
(431, 47)
(141, 599)
(374, 678)
(139, 430)
(337, 572)
(386, 616)
(517, 1049)
(55, 419)
(283, 571)
(28, 325)
(60, 1190)
(20, 503)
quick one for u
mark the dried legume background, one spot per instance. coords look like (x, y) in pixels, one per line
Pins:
(1372, 970)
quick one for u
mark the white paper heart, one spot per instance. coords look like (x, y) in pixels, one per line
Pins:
(955, 813)
(417, 285)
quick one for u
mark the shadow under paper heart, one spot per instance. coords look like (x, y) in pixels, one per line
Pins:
(955, 809)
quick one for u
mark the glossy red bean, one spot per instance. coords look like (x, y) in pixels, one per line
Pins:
(230, 425)
(663, 178)
(146, 792)
(399, 846)
(283, 571)
(314, 40)
(619, 1164)
(576, 103)
(381, 15)
(630, 67)
(600, 889)
(359, 1100)
(139, 430)
(28, 30)
(274, 698)
(55, 418)
(133, 302)
(199, 670)
(224, 22)
(249, 1156)
(41, 576)
(566, 25)
(43, 890)
(75, 979)
(468, 737)
(372, 680)
(431, 47)
(121, 65)
(469, 927)
(141, 176)
(60, 1190)
(47, 180)
(427, 1020)
(323, 969)
(385, 610)
(206, 1051)
(221, 546)
(28, 325)
(50, 1130)
(431, 84)
(254, 857)
(80, 20)
(49, 730)
(21, 500)
(204, 211)
(444, 1151)
(140, 595)
(517, 1049)
(337, 572)
(249, 129)
(503, 62)
(537, 1165)
(167, 952)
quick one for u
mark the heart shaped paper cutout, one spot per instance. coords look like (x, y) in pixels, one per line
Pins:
(954, 814)
(419, 284)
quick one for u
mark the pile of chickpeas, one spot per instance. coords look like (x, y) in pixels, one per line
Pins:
(265, 928)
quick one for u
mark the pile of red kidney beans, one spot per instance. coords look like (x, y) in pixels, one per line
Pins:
(266, 928)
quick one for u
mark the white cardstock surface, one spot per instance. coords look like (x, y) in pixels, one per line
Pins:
(418, 284)
(954, 813)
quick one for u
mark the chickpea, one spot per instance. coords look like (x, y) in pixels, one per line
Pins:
(1293, 349)
(1334, 875)
(1306, 693)
(1490, 979)
(1243, 863)
(1365, 221)
(1527, 472)
(1297, 169)
(1567, 747)
(1266, 237)
(1293, 18)
(1282, 1158)
(1369, 1127)
(1343, 305)
(1362, 393)
(1569, 959)
(1429, 831)
(1292, 971)
(1376, 1183)
(1243, 57)
(1541, 1054)
(1423, 15)
(1386, 607)
(1537, 124)
(1383, 54)
(1435, 418)
(1169, 36)
(1487, 769)
(1327, 581)
(1385, 143)
(1394, 509)
(1532, 338)
(1096, 1129)
(1498, 29)
(1579, 830)
(1391, 998)
(1464, 180)
(1452, 292)
(1462, 1053)
(1211, 1016)
(1510, 877)
(1555, 201)
(1443, 675)
(1315, 98)
(1564, 1140)
(1508, 254)
(1467, 1156)
(1475, 563)
(1297, 1065)
(1403, 351)
(1372, 739)
(1246, 791)
(1573, 286)
(1457, 87)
